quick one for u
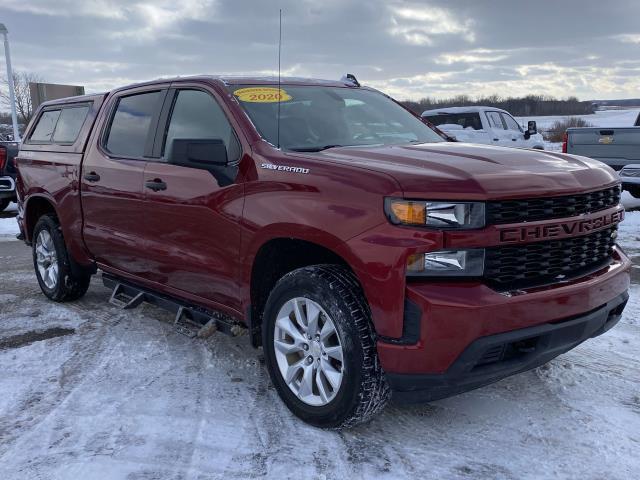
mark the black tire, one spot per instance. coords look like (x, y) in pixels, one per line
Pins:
(364, 391)
(4, 203)
(68, 286)
(634, 191)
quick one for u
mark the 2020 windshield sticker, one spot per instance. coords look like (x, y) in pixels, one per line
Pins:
(262, 95)
(284, 168)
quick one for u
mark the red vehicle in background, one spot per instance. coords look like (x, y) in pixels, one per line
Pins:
(365, 254)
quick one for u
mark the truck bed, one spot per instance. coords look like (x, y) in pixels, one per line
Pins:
(616, 147)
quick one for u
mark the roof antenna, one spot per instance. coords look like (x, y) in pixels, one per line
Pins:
(279, 90)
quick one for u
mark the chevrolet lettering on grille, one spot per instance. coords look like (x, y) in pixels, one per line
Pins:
(559, 229)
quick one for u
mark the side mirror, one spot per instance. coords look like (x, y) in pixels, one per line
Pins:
(532, 129)
(198, 153)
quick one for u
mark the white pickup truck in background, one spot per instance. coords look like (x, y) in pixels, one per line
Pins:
(486, 125)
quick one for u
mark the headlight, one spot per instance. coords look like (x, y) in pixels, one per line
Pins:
(447, 263)
(443, 215)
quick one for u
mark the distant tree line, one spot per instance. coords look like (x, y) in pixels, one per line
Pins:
(531, 105)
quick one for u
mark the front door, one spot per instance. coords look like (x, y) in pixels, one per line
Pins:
(112, 180)
(515, 132)
(192, 220)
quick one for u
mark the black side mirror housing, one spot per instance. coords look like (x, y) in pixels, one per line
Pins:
(198, 153)
(532, 129)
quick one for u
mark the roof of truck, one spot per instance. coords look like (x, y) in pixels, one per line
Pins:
(437, 111)
(227, 80)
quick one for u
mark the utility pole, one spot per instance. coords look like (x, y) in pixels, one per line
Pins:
(12, 91)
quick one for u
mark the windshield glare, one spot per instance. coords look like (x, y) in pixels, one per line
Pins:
(313, 118)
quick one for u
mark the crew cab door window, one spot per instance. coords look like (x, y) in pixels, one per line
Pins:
(196, 115)
(69, 124)
(495, 121)
(129, 129)
(45, 127)
(510, 122)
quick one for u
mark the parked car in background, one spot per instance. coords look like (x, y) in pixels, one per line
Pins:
(8, 152)
(617, 147)
(487, 125)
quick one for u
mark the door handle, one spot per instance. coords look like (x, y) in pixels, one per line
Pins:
(514, 139)
(156, 185)
(92, 177)
(496, 139)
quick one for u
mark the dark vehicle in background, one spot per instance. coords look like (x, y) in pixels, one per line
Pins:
(8, 153)
(364, 253)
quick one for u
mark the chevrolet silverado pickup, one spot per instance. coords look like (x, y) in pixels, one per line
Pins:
(368, 257)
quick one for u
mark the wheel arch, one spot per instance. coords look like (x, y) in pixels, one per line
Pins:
(35, 207)
(274, 258)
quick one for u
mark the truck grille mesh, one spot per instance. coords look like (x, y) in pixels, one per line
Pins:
(529, 210)
(541, 263)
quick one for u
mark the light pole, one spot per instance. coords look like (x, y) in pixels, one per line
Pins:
(12, 92)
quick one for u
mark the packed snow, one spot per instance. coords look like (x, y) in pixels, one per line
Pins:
(8, 225)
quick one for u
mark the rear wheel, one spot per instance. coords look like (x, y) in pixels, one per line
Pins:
(52, 264)
(320, 348)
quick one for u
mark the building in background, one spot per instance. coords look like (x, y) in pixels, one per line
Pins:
(43, 92)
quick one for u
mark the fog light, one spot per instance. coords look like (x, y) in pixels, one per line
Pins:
(447, 263)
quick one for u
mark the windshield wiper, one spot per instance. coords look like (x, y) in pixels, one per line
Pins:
(314, 149)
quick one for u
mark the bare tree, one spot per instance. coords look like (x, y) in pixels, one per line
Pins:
(21, 81)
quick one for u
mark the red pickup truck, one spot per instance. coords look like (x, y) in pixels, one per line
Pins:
(365, 254)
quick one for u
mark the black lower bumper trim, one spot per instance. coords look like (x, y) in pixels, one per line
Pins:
(495, 357)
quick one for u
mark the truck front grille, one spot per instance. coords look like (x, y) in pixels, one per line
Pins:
(529, 210)
(542, 263)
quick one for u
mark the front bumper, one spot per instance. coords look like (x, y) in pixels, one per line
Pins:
(451, 316)
(491, 358)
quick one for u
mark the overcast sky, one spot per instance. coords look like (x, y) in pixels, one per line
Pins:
(409, 49)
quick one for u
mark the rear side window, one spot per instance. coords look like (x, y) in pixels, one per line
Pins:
(69, 124)
(45, 126)
(129, 127)
(465, 120)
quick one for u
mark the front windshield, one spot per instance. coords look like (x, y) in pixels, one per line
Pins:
(314, 118)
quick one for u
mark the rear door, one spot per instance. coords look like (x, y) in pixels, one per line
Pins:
(192, 220)
(499, 134)
(616, 147)
(112, 179)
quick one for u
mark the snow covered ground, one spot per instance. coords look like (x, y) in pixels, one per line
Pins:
(92, 392)
(8, 225)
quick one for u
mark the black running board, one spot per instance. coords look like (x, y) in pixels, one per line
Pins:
(190, 320)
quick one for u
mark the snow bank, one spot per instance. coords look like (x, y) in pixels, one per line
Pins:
(9, 226)
(603, 118)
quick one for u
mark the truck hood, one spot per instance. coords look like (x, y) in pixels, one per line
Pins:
(467, 171)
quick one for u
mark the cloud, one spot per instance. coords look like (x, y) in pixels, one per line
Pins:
(421, 24)
(408, 48)
(628, 38)
(479, 55)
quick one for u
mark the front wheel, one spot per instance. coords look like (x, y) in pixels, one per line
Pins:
(52, 264)
(4, 203)
(320, 348)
